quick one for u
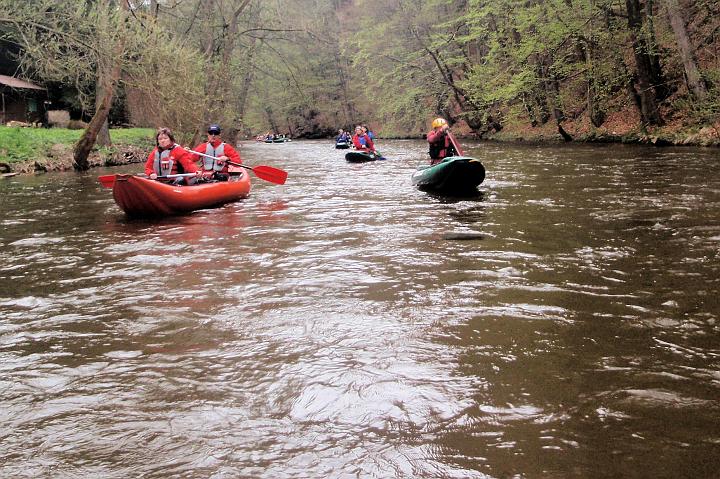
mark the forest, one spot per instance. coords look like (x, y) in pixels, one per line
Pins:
(572, 70)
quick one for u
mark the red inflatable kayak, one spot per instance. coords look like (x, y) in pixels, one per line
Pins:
(139, 196)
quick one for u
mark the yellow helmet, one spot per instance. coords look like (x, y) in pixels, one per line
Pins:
(438, 122)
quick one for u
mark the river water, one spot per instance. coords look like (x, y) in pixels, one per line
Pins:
(563, 323)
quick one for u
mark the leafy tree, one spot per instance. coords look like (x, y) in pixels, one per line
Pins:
(93, 45)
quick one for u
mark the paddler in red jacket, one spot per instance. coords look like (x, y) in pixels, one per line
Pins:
(169, 158)
(440, 143)
(362, 141)
(223, 152)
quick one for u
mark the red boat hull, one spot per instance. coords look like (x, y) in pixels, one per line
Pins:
(138, 196)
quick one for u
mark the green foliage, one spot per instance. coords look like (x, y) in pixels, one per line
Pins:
(20, 144)
(27, 143)
(312, 66)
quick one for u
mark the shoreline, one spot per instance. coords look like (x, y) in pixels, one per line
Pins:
(59, 157)
(707, 137)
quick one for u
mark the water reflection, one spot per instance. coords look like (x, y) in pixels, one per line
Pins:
(562, 323)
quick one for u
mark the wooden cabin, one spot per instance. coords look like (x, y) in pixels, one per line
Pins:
(21, 101)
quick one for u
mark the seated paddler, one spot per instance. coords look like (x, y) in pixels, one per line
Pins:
(216, 168)
(362, 141)
(168, 158)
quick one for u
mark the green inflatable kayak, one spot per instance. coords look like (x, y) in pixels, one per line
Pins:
(453, 175)
(362, 157)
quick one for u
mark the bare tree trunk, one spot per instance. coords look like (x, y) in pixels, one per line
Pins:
(646, 93)
(694, 81)
(103, 136)
(249, 75)
(89, 137)
(219, 84)
(107, 85)
(348, 111)
(461, 97)
(271, 119)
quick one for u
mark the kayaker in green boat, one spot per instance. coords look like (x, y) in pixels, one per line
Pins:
(362, 141)
(441, 145)
(216, 168)
(369, 132)
(169, 158)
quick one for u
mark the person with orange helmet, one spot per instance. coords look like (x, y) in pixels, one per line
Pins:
(441, 145)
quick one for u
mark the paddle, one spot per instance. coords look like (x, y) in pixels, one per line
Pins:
(454, 143)
(378, 155)
(267, 173)
(375, 153)
(109, 180)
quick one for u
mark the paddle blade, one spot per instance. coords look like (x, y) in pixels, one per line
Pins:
(107, 180)
(268, 173)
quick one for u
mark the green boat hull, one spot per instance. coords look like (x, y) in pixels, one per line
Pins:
(359, 157)
(453, 175)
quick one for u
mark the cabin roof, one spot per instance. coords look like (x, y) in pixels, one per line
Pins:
(17, 83)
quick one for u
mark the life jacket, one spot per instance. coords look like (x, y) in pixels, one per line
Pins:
(163, 162)
(211, 164)
(441, 149)
(435, 150)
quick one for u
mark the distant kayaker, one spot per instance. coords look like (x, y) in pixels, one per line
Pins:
(369, 132)
(169, 158)
(362, 141)
(440, 143)
(224, 152)
(343, 136)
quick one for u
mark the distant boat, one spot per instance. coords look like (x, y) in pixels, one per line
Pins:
(342, 145)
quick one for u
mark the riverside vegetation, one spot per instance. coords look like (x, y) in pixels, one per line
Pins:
(550, 70)
(27, 150)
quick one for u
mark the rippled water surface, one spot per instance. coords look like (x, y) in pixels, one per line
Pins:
(563, 323)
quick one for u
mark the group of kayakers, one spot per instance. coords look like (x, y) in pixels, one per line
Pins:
(270, 137)
(439, 139)
(362, 140)
(209, 160)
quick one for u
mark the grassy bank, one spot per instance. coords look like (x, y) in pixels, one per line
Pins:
(28, 150)
(36, 144)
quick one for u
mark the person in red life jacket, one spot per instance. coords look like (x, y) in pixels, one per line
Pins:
(441, 145)
(362, 141)
(224, 152)
(169, 158)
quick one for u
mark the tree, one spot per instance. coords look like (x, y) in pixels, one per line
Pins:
(78, 43)
(94, 46)
(694, 81)
(646, 62)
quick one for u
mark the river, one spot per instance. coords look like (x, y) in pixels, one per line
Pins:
(563, 323)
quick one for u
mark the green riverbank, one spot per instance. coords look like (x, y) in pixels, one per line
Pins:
(28, 150)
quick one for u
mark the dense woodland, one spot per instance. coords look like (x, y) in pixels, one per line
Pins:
(574, 68)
